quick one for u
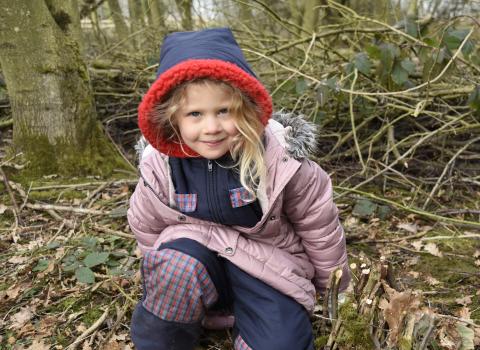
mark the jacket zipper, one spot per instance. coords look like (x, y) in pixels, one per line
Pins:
(212, 198)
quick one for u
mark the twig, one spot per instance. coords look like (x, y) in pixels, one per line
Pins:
(112, 232)
(412, 210)
(47, 207)
(90, 330)
(94, 193)
(450, 162)
(352, 121)
(334, 294)
(428, 334)
(12, 197)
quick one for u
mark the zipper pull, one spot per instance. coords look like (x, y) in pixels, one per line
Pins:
(210, 166)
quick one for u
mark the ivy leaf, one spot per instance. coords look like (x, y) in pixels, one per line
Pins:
(362, 63)
(399, 75)
(453, 38)
(85, 275)
(42, 265)
(408, 65)
(94, 259)
(364, 208)
(411, 28)
(89, 242)
(301, 86)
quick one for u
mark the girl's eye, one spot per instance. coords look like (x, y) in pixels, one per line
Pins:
(223, 111)
(194, 114)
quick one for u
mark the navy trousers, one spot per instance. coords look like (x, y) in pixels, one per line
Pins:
(183, 279)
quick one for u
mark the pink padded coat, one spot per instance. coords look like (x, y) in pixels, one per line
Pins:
(295, 245)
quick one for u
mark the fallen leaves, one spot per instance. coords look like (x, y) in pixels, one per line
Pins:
(19, 319)
(395, 308)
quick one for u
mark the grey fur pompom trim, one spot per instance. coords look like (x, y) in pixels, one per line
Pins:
(301, 136)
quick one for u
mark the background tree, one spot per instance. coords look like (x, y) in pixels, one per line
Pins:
(185, 9)
(121, 27)
(54, 118)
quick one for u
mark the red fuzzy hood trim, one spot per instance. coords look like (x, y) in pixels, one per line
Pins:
(192, 69)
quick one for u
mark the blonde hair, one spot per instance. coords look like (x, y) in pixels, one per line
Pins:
(247, 149)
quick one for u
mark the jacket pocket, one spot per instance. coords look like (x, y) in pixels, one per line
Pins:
(186, 202)
(240, 197)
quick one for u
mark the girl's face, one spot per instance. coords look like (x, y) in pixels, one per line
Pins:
(204, 120)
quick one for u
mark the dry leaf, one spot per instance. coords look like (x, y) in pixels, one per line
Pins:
(395, 309)
(476, 338)
(112, 345)
(432, 281)
(466, 300)
(17, 259)
(38, 344)
(23, 316)
(433, 249)
(464, 313)
(414, 274)
(417, 245)
(3, 208)
(409, 227)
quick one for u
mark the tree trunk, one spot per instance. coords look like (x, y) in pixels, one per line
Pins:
(66, 14)
(185, 9)
(54, 118)
(137, 22)
(119, 21)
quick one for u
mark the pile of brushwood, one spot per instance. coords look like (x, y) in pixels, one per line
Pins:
(398, 110)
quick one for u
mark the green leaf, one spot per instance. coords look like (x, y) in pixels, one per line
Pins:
(42, 265)
(408, 65)
(399, 75)
(373, 51)
(94, 259)
(89, 242)
(70, 266)
(474, 99)
(85, 275)
(364, 208)
(467, 336)
(453, 38)
(362, 63)
(383, 212)
(411, 27)
(301, 86)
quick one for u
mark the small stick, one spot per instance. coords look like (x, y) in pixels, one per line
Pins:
(428, 334)
(47, 207)
(94, 193)
(113, 232)
(12, 197)
(334, 293)
(89, 331)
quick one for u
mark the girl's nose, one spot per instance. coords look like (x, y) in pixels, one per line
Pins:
(212, 125)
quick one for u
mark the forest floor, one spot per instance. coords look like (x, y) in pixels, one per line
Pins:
(69, 273)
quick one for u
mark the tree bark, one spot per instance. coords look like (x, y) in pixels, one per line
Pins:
(121, 27)
(137, 21)
(185, 9)
(66, 14)
(54, 117)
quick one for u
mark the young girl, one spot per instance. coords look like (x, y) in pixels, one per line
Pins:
(229, 213)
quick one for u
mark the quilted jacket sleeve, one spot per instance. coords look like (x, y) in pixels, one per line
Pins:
(310, 208)
(143, 214)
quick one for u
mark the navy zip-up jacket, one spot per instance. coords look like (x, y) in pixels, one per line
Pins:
(211, 190)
